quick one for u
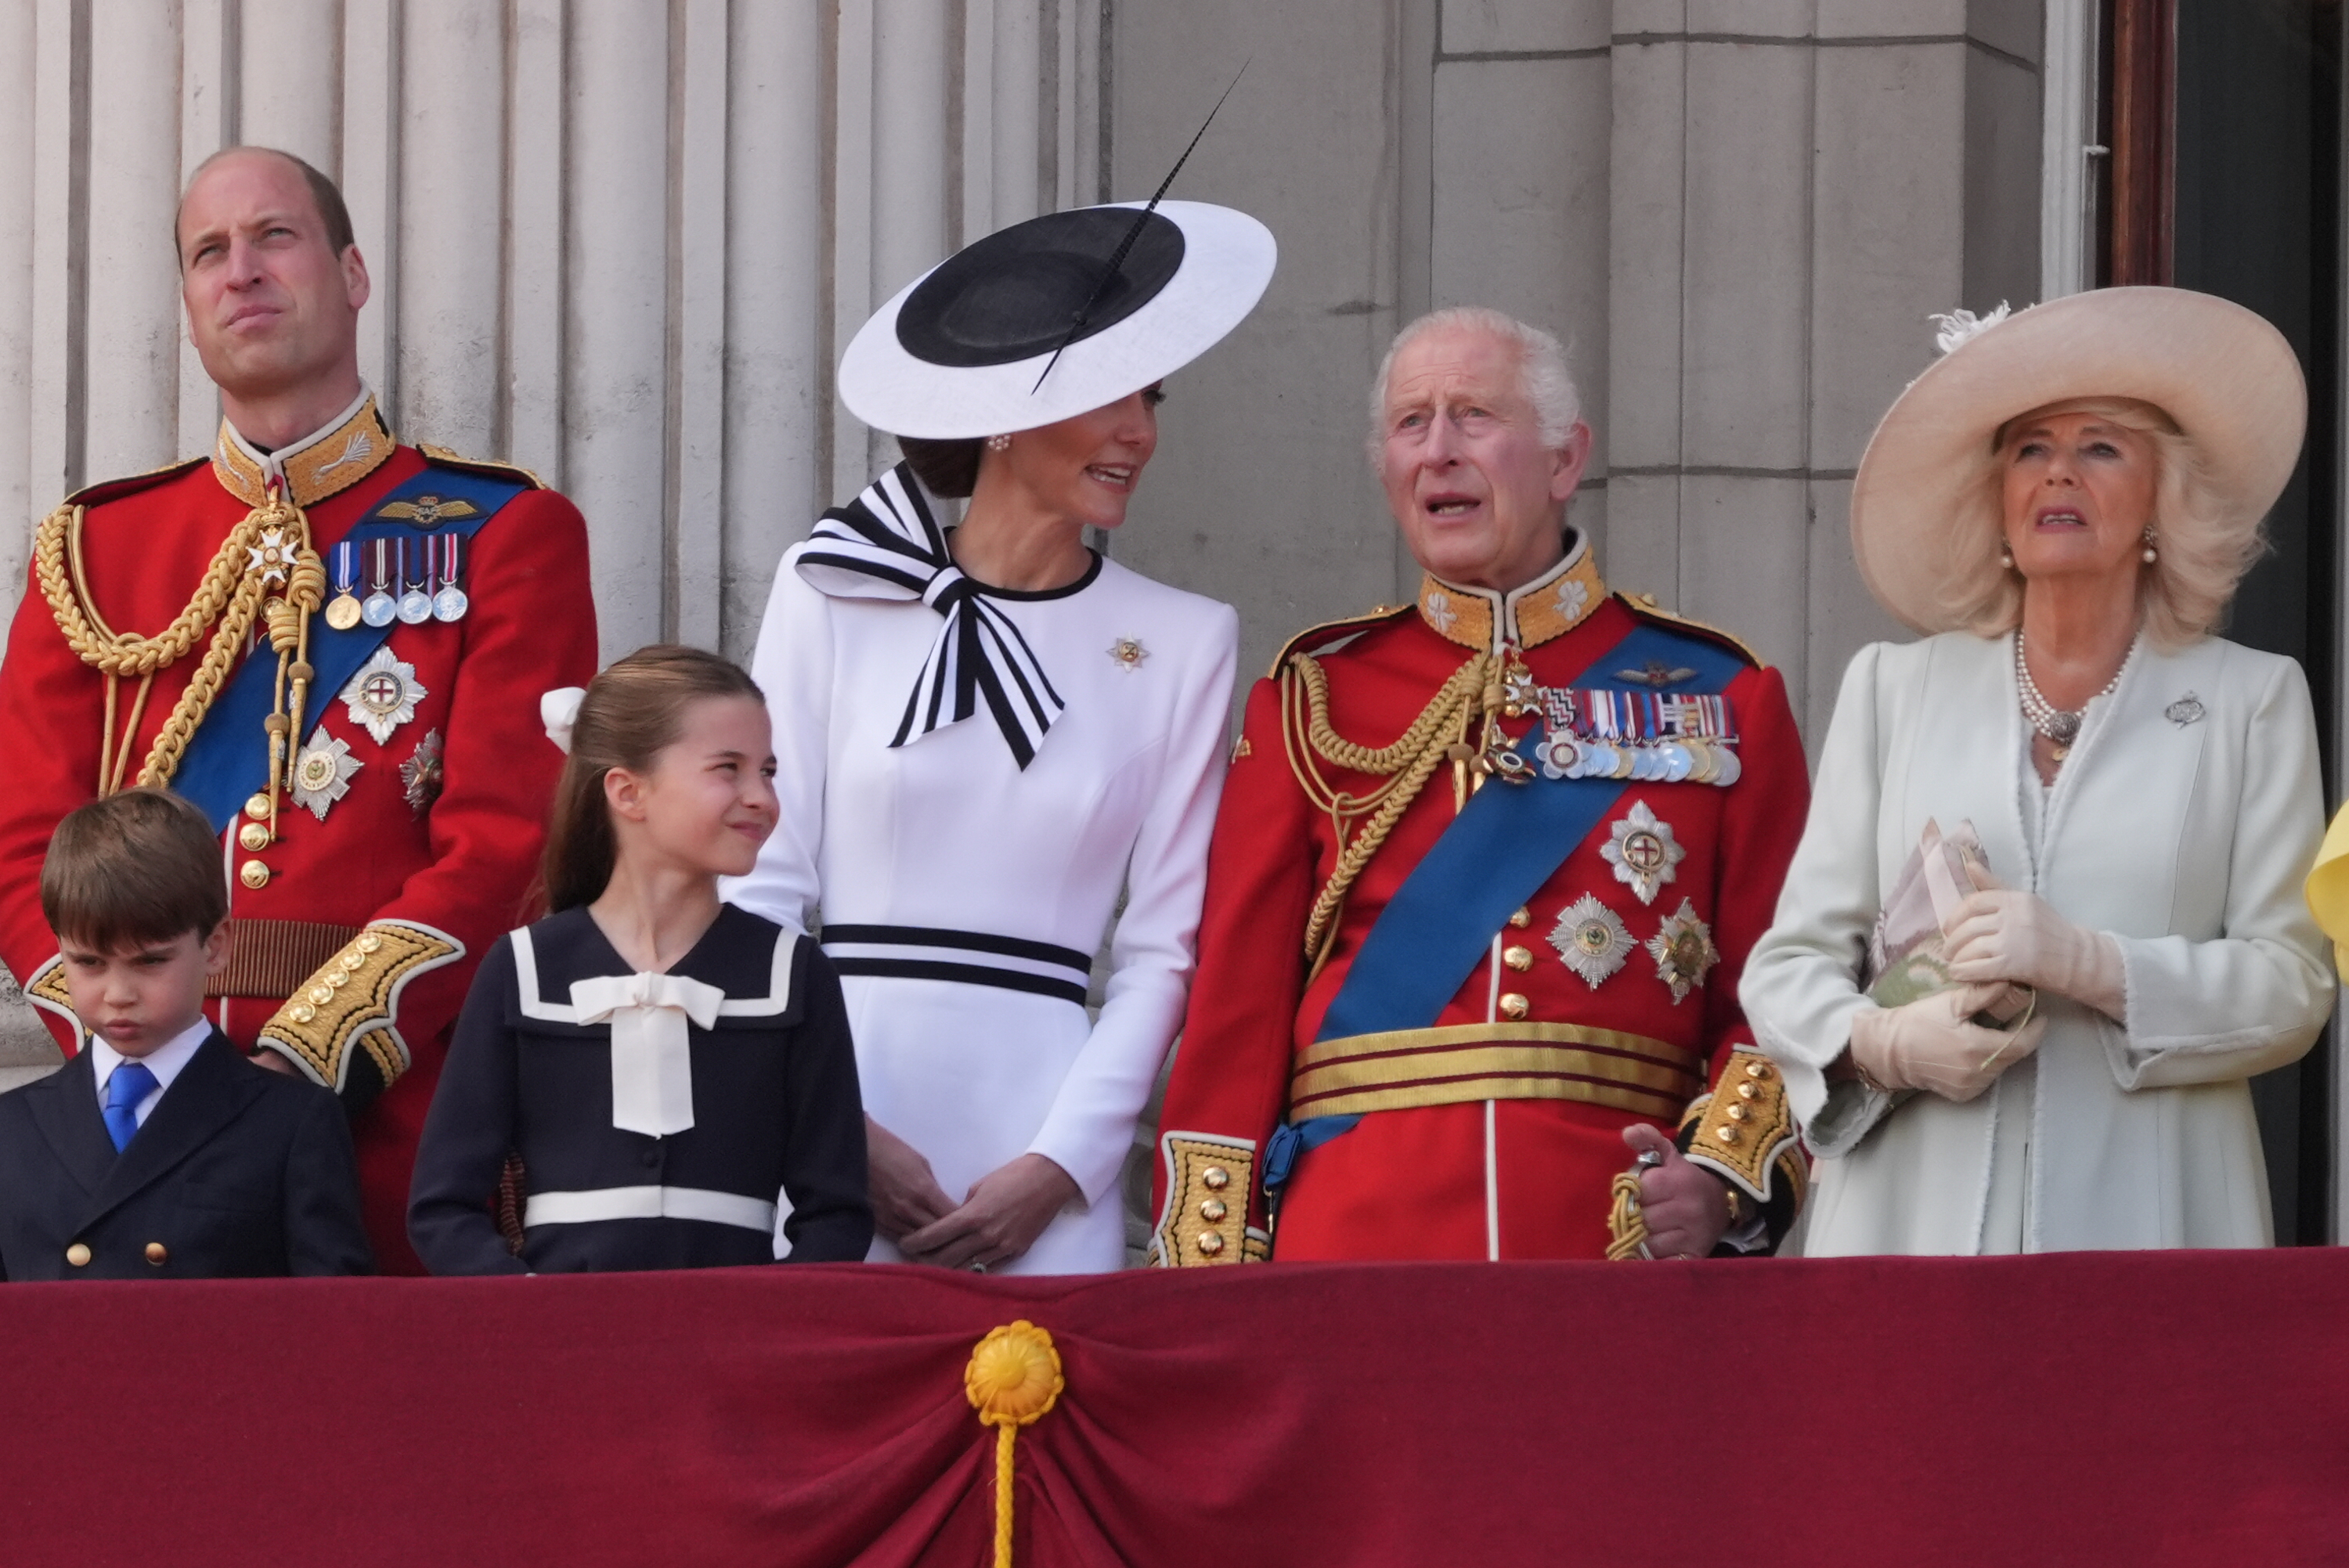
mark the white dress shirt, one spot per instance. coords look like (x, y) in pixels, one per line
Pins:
(164, 1061)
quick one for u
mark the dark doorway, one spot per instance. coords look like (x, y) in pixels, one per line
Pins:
(2251, 146)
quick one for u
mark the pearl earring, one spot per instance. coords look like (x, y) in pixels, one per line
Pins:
(999, 443)
(2005, 558)
(2150, 554)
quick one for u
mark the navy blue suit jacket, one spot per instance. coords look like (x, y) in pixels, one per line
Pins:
(238, 1172)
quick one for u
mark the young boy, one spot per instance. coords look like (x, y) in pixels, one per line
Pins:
(159, 1152)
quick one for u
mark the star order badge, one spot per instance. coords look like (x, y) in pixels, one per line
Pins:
(1592, 939)
(1683, 951)
(272, 558)
(1128, 653)
(1642, 851)
(420, 776)
(383, 695)
(322, 772)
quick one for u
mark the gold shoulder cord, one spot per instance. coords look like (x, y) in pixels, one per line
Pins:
(273, 540)
(1438, 733)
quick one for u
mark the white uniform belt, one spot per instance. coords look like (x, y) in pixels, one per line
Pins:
(648, 1203)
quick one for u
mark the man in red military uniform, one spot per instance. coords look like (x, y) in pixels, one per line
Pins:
(1484, 879)
(334, 643)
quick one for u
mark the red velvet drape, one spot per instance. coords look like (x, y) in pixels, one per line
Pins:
(2147, 1409)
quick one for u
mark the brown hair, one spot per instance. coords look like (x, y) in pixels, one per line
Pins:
(333, 215)
(631, 711)
(948, 468)
(132, 871)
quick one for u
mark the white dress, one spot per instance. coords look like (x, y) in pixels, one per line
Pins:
(963, 898)
(2183, 823)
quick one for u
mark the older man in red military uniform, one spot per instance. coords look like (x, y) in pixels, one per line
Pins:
(334, 643)
(1483, 878)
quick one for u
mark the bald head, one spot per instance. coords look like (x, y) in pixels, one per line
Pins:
(334, 218)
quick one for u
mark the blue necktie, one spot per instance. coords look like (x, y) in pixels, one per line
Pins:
(129, 1083)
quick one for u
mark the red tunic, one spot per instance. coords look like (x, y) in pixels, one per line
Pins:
(1512, 1178)
(463, 865)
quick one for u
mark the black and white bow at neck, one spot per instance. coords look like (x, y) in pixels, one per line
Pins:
(885, 544)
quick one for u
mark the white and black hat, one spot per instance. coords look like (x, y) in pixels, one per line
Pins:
(1124, 295)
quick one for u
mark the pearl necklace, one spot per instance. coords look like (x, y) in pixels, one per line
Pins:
(2062, 728)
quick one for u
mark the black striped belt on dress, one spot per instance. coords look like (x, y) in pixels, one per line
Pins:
(966, 957)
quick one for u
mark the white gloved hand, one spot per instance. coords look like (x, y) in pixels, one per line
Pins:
(1930, 1044)
(2003, 934)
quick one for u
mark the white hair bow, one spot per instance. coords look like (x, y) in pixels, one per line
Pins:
(1963, 326)
(559, 711)
(652, 1050)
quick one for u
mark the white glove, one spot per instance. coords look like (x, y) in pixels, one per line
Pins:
(2018, 936)
(1929, 1045)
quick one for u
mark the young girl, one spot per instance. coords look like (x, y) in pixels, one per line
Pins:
(662, 1063)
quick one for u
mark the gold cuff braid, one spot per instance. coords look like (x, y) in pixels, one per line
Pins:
(1745, 1130)
(1209, 1180)
(350, 1009)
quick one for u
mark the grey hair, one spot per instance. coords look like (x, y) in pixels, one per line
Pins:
(1542, 373)
(2204, 548)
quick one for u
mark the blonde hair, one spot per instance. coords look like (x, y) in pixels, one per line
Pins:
(2204, 549)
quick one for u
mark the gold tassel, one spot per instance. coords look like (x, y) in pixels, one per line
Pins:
(1013, 1379)
(1627, 1224)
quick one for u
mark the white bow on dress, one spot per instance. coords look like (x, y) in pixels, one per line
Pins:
(652, 1048)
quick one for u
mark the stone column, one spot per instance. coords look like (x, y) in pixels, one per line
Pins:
(1797, 184)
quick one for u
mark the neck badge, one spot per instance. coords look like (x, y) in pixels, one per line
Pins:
(343, 611)
(383, 695)
(322, 772)
(1643, 851)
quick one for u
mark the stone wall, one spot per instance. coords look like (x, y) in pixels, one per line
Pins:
(623, 242)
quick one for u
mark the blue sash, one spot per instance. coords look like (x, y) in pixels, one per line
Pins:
(1497, 853)
(227, 759)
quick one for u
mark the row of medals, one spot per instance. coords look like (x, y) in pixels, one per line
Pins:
(411, 603)
(1663, 760)
(1689, 758)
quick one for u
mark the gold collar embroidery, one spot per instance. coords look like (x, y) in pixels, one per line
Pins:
(1549, 606)
(334, 459)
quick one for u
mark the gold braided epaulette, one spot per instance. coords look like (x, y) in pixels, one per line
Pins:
(1209, 1180)
(106, 491)
(1645, 607)
(1344, 623)
(1744, 1128)
(442, 457)
(350, 1009)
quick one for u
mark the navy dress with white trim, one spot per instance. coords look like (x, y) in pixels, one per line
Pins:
(774, 1110)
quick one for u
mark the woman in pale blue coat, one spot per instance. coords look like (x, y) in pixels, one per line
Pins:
(2065, 503)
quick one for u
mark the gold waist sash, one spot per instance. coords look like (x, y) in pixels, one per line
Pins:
(1400, 1070)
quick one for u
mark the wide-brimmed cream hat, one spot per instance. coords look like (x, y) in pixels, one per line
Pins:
(2222, 373)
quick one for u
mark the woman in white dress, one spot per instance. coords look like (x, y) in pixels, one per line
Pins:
(2064, 503)
(986, 733)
